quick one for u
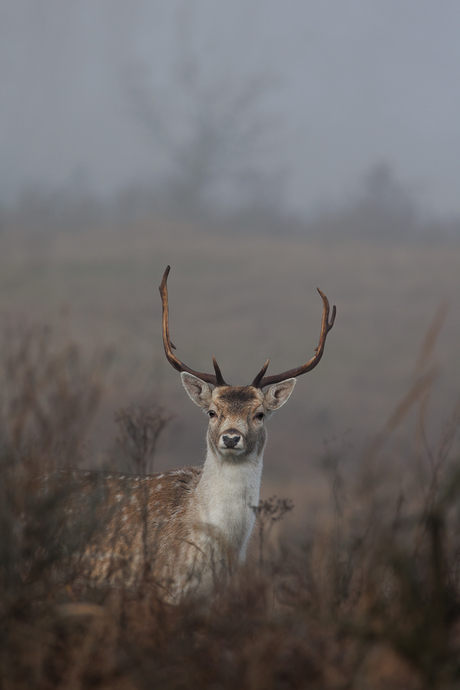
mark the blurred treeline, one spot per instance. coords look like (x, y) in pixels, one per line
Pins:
(384, 209)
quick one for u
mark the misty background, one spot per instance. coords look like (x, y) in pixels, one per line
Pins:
(262, 149)
(244, 107)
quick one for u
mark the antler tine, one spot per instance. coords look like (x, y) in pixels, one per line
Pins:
(214, 379)
(258, 378)
(219, 378)
(261, 381)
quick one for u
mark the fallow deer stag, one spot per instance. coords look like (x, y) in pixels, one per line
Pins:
(191, 526)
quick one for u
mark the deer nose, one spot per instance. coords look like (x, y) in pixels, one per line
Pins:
(230, 441)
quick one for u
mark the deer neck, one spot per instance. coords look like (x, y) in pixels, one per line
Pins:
(226, 495)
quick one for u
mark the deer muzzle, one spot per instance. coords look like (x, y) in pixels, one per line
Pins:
(231, 440)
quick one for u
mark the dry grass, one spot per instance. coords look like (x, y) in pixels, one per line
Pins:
(358, 586)
(372, 600)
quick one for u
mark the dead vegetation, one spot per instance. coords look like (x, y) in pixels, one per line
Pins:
(139, 428)
(367, 599)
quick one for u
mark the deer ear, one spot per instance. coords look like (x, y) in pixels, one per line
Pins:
(199, 391)
(278, 394)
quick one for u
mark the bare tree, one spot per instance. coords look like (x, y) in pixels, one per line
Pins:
(212, 131)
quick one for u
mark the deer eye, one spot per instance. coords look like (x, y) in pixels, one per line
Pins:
(260, 416)
(212, 414)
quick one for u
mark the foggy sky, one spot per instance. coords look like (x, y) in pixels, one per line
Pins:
(357, 82)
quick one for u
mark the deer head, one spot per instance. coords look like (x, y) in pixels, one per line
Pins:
(237, 413)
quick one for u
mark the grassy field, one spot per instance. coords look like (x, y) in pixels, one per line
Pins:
(243, 300)
(357, 586)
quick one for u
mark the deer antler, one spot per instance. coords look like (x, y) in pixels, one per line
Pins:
(214, 379)
(261, 381)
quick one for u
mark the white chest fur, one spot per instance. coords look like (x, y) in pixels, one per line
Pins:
(225, 499)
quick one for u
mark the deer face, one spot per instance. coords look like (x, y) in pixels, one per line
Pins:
(237, 414)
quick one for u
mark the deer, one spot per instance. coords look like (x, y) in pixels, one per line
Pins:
(189, 528)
